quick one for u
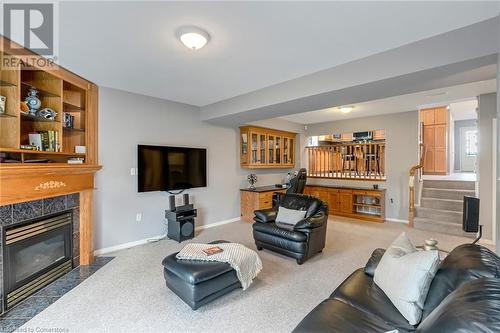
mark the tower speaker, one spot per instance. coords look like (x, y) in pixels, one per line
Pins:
(470, 222)
(171, 200)
(186, 199)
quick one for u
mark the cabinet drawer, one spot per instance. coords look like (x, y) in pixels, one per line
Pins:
(367, 192)
(266, 200)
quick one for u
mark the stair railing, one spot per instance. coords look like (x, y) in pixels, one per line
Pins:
(413, 173)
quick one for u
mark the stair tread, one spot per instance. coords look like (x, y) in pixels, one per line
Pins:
(448, 189)
(441, 199)
(440, 210)
(428, 220)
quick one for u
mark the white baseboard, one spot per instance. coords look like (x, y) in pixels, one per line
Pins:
(390, 219)
(128, 245)
(216, 224)
(486, 242)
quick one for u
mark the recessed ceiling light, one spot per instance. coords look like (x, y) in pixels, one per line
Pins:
(346, 109)
(193, 38)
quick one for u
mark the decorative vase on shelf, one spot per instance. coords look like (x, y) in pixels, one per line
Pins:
(252, 179)
(33, 101)
(47, 113)
(3, 99)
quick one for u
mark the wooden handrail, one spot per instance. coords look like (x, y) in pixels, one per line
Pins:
(413, 172)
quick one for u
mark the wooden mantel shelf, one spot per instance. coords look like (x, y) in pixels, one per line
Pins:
(9, 170)
(24, 183)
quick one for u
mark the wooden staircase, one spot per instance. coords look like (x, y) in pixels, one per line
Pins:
(441, 206)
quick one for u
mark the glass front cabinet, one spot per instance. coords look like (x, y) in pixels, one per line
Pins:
(266, 148)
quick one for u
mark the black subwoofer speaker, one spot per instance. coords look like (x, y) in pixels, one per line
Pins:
(181, 224)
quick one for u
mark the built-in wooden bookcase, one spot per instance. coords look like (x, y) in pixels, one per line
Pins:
(58, 92)
(21, 177)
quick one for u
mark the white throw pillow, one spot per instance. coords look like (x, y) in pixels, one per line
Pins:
(289, 216)
(405, 275)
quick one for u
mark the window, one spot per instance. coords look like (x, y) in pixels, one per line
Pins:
(471, 142)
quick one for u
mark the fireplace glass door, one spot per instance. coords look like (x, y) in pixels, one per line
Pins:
(35, 254)
(29, 259)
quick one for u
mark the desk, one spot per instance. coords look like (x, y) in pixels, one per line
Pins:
(258, 198)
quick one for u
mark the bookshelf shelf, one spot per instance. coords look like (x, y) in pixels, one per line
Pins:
(29, 117)
(72, 129)
(7, 115)
(72, 108)
(366, 205)
(41, 92)
(38, 152)
(6, 84)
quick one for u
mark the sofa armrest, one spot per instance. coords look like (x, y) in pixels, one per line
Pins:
(312, 222)
(372, 263)
(265, 215)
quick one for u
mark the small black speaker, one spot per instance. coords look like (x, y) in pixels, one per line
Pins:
(470, 221)
(186, 199)
(171, 200)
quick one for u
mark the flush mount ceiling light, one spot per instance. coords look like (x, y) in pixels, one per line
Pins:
(346, 109)
(192, 37)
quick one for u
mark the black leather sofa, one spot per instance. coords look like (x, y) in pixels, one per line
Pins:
(307, 238)
(464, 297)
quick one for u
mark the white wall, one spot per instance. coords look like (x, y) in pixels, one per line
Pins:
(401, 155)
(487, 112)
(497, 198)
(126, 120)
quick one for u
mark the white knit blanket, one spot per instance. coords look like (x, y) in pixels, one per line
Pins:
(244, 261)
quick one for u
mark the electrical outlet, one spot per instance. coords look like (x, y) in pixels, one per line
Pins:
(133, 171)
(138, 217)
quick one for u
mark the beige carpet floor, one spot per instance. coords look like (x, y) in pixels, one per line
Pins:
(129, 293)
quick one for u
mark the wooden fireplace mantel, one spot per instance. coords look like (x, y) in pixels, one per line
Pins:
(37, 182)
(65, 93)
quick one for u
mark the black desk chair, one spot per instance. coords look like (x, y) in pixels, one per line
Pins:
(297, 185)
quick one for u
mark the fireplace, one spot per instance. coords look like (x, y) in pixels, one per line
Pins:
(36, 253)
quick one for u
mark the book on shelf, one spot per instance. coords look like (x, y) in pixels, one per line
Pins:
(45, 140)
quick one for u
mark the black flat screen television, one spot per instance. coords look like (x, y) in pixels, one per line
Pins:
(163, 168)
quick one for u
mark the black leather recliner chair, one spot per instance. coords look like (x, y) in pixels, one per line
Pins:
(307, 237)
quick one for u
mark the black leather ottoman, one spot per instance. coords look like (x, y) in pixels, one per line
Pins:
(199, 282)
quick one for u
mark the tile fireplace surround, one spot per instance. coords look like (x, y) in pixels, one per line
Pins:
(20, 212)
